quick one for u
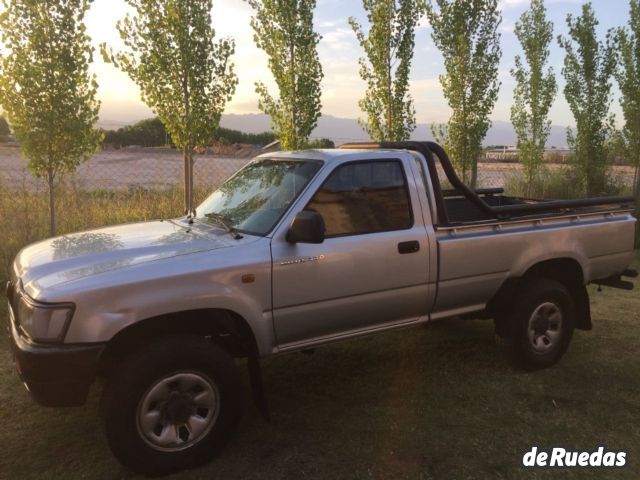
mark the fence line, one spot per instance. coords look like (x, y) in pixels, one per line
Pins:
(159, 168)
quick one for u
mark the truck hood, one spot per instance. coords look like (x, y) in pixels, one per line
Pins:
(70, 257)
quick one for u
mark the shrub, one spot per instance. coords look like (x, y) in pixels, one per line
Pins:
(320, 143)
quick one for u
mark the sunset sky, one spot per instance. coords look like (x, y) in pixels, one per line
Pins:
(339, 53)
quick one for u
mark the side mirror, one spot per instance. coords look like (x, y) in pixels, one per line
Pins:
(307, 227)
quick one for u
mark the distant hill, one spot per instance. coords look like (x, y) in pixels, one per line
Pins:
(342, 130)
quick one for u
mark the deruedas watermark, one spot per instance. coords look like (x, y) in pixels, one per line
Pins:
(559, 457)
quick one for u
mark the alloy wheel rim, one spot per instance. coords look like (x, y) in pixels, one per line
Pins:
(178, 411)
(545, 327)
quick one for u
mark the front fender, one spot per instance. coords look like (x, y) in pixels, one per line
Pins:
(143, 292)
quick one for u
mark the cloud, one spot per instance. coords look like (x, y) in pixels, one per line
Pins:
(507, 27)
(513, 3)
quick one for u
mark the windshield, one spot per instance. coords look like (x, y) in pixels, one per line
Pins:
(255, 198)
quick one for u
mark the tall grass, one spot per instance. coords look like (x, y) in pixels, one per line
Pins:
(564, 184)
(24, 216)
(559, 184)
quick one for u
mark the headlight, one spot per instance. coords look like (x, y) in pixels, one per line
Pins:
(43, 322)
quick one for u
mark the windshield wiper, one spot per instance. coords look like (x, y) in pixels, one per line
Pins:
(224, 221)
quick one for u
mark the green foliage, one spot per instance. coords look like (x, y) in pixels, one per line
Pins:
(46, 90)
(284, 30)
(563, 183)
(184, 75)
(235, 136)
(388, 47)
(320, 143)
(5, 131)
(466, 32)
(149, 132)
(628, 76)
(440, 133)
(534, 92)
(616, 148)
(588, 67)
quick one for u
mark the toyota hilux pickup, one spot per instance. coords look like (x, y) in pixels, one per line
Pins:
(296, 250)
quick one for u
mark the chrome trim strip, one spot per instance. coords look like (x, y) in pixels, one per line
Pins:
(572, 216)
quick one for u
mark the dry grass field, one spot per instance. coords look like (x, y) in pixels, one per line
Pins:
(148, 168)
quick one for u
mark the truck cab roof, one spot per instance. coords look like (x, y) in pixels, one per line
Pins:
(331, 155)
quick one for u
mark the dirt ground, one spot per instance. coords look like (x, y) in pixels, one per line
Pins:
(161, 167)
(117, 169)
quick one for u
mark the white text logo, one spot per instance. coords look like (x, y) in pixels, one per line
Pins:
(561, 457)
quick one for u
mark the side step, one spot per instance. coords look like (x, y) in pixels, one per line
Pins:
(630, 273)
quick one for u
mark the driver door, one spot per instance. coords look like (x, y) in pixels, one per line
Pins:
(370, 272)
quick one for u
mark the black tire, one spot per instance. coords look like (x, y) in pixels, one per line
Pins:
(542, 320)
(187, 367)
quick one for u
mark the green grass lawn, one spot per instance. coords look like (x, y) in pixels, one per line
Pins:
(442, 402)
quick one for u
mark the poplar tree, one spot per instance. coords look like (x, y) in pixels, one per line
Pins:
(466, 33)
(185, 76)
(388, 48)
(588, 68)
(628, 76)
(284, 30)
(535, 91)
(46, 90)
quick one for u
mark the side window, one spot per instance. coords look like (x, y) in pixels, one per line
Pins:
(364, 197)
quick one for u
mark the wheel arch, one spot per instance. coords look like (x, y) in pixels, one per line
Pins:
(226, 328)
(566, 270)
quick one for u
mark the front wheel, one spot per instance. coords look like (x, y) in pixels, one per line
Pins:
(543, 319)
(172, 405)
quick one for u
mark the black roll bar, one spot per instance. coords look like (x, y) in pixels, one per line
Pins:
(428, 149)
(480, 191)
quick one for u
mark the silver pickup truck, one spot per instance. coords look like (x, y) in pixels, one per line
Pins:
(296, 250)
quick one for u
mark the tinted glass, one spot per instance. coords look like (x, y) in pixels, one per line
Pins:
(256, 197)
(364, 197)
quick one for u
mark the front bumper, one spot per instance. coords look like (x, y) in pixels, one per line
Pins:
(57, 375)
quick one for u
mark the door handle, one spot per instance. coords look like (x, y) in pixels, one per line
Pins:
(408, 247)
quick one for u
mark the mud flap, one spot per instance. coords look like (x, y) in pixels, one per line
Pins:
(257, 387)
(583, 307)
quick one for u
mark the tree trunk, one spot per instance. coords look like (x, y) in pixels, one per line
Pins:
(636, 192)
(388, 135)
(187, 179)
(52, 207)
(294, 117)
(474, 172)
(191, 206)
(187, 147)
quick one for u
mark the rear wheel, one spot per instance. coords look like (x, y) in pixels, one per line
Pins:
(172, 405)
(542, 321)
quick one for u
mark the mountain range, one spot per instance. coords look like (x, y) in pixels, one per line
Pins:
(342, 130)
